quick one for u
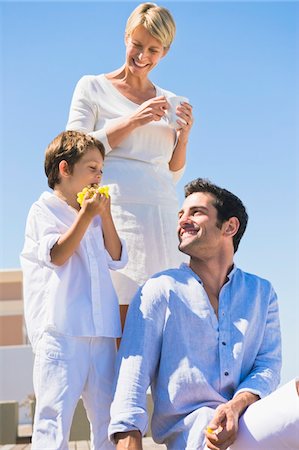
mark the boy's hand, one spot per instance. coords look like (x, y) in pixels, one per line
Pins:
(98, 204)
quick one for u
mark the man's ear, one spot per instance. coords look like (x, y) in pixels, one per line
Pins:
(231, 226)
(64, 169)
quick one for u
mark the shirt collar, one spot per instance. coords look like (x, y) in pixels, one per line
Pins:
(187, 268)
(51, 199)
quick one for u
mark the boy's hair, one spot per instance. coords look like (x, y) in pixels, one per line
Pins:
(156, 20)
(68, 146)
(227, 205)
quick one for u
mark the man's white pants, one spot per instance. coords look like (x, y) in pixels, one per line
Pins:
(66, 368)
(271, 423)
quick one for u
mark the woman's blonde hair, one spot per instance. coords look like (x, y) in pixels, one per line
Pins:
(156, 20)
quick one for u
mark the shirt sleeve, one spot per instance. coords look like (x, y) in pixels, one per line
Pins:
(265, 374)
(115, 265)
(40, 236)
(83, 113)
(137, 361)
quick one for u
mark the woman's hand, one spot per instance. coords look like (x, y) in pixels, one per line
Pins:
(185, 120)
(152, 109)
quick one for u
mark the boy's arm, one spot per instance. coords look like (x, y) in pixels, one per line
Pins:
(68, 242)
(111, 239)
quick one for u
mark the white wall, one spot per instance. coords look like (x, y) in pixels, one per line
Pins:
(16, 364)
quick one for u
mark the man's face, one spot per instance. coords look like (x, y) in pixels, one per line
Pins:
(198, 233)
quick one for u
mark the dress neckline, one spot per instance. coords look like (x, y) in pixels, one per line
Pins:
(120, 94)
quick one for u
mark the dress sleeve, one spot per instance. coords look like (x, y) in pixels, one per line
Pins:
(83, 113)
(138, 360)
(177, 175)
(265, 374)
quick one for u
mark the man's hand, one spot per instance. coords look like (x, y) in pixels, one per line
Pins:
(131, 440)
(223, 428)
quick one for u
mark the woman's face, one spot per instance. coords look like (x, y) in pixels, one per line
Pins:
(143, 51)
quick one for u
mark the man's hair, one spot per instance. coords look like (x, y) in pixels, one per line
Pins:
(68, 146)
(227, 205)
(156, 20)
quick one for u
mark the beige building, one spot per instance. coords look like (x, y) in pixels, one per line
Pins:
(16, 358)
(12, 329)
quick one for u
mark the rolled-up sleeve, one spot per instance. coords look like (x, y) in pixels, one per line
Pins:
(265, 374)
(119, 264)
(138, 359)
(40, 236)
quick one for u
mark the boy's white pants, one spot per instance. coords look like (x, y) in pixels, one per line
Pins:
(65, 368)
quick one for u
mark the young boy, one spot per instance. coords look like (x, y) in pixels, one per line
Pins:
(71, 309)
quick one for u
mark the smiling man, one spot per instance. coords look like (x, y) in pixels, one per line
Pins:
(206, 338)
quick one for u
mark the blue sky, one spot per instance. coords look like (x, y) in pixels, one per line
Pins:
(237, 62)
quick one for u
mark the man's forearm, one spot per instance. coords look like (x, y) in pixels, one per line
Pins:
(241, 401)
(130, 440)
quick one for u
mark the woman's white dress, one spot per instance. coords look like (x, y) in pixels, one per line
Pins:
(142, 188)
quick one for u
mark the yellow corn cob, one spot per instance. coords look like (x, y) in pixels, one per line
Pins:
(217, 431)
(92, 189)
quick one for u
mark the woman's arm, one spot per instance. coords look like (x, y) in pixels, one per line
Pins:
(83, 115)
(178, 160)
(151, 110)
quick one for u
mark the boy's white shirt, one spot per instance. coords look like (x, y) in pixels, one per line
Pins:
(77, 298)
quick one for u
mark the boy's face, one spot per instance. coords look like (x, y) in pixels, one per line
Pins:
(88, 170)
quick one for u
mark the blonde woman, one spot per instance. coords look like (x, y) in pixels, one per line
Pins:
(145, 157)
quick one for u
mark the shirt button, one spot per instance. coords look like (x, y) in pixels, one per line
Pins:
(226, 374)
(223, 343)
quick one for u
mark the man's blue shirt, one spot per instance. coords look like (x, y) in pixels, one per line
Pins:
(193, 359)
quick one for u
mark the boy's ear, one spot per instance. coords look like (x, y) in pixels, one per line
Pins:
(64, 168)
